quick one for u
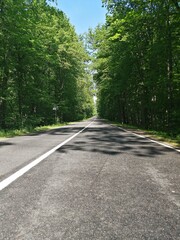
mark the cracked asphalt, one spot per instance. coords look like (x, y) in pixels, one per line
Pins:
(104, 184)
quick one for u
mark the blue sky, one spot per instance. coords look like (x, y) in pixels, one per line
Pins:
(83, 13)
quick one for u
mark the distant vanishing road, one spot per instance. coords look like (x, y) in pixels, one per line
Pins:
(102, 183)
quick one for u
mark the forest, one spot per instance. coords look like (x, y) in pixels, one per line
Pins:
(136, 63)
(48, 72)
(43, 66)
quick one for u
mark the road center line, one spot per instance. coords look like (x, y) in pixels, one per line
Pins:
(19, 173)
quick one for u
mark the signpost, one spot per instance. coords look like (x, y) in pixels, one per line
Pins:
(55, 108)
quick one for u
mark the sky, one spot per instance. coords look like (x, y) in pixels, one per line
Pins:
(83, 14)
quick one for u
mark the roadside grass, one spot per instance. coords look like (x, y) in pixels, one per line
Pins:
(172, 140)
(28, 130)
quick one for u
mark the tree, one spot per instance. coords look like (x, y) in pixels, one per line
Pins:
(42, 65)
(136, 63)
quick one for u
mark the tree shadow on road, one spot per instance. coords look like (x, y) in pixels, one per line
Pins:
(114, 141)
(5, 144)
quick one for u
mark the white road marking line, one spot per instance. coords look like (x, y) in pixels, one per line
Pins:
(19, 173)
(165, 145)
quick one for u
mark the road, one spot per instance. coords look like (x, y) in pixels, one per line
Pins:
(105, 183)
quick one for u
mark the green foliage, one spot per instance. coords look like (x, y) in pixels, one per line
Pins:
(28, 130)
(135, 61)
(42, 66)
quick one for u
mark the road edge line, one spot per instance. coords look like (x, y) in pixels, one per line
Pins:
(141, 136)
(7, 181)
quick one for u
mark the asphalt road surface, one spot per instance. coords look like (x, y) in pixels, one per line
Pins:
(104, 183)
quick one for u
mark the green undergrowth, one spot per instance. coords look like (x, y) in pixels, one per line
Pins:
(172, 139)
(28, 130)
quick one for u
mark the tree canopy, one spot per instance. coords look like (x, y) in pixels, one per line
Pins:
(42, 66)
(136, 63)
